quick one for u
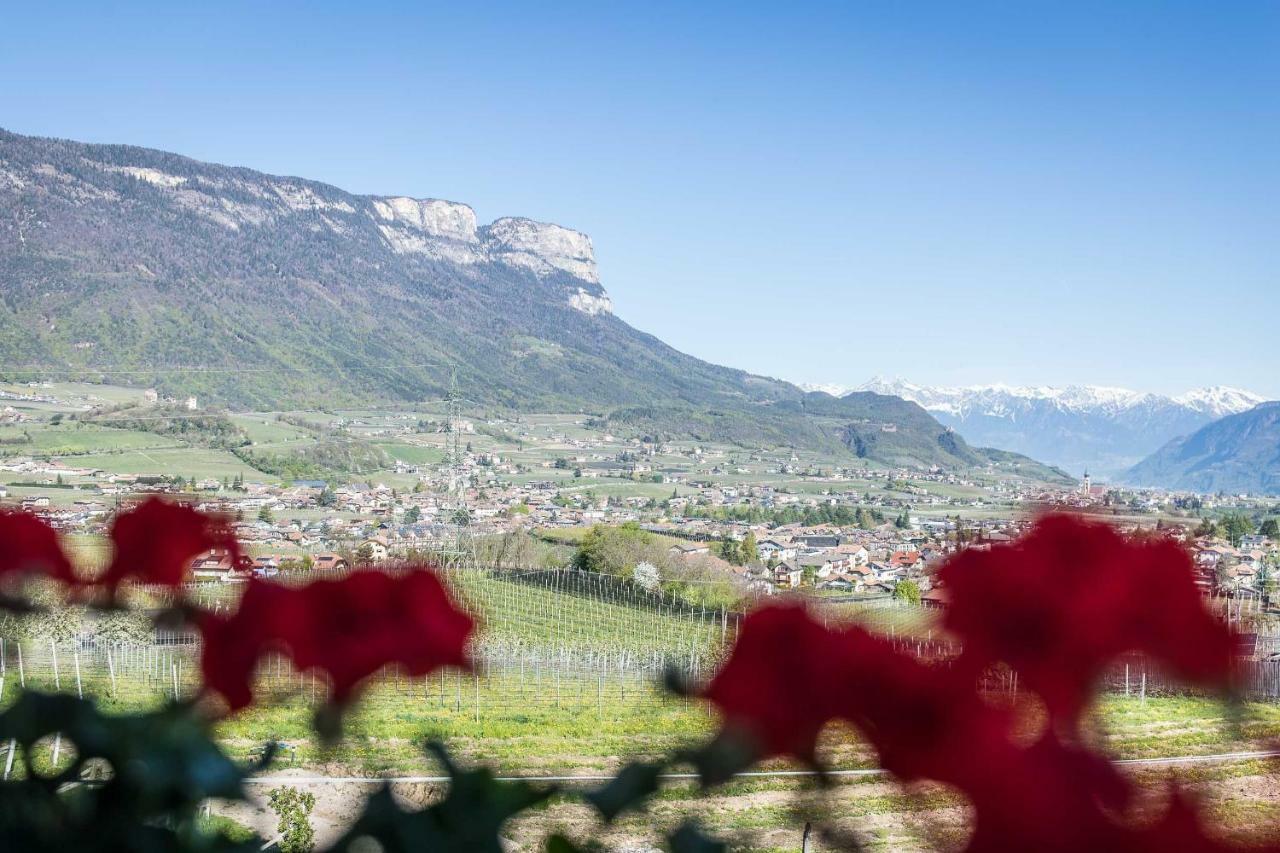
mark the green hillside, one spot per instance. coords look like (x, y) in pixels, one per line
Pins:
(1236, 454)
(252, 291)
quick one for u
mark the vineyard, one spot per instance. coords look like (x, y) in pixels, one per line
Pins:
(562, 658)
(580, 656)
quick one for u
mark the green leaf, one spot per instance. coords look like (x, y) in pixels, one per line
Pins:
(627, 790)
(689, 839)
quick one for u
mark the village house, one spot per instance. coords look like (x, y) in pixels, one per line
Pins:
(215, 564)
(788, 575)
(773, 550)
(375, 547)
(328, 562)
(690, 549)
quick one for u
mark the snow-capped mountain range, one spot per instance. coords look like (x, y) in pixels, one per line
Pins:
(1078, 427)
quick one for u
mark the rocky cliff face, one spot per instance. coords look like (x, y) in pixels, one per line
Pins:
(449, 230)
(542, 247)
(238, 199)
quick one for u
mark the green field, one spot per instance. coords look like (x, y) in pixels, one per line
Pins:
(74, 438)
(198, 462)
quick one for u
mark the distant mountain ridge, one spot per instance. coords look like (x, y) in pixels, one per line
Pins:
(1236, 454)
(1081, 427)
(142, 267)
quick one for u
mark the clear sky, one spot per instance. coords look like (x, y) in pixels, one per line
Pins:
(1027, 192)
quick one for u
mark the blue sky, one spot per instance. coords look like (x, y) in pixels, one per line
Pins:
(951, 192)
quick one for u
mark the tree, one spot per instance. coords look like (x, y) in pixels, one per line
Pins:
(264, 514)
(413, 515)
(1206, 529)
(1234, 526)
(293, 807)
(616, 550)
(646, 576)
(730, 551)
(1265, 582)
(750, 552)
(906, 590)
(1270, 529)
(124, 626)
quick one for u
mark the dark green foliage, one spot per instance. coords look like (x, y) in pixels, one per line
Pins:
(812, 516)
(1233, 526)
(335, 455)
(690, 839)
(626, 791)
(615, 550)
(212, 429)
(907, 591)
(293, 807)
(150, 773)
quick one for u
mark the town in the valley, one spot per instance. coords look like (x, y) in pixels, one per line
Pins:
(316, 491)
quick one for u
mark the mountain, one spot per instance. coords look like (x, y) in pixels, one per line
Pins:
(1236, 454)
(137, 266)
(1079, 427)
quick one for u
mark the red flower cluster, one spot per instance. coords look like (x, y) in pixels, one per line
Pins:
(1057, 606)
(348, 628)
(156, 542)
(28, 546)
(1062, 603)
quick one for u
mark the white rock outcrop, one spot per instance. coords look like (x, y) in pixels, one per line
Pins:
(591, 303)
(432, 216)
(542, 247)
(429, 226)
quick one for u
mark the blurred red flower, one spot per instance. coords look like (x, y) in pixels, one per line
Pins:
(1060, 604)
(348, 629)
(926, 721)
(156, 541)
(778, 686)
(29, 546)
